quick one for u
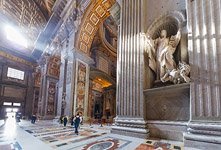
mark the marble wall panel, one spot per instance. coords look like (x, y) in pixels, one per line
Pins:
(171, 104)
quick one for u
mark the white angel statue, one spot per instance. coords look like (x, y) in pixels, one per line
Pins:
(161, 51)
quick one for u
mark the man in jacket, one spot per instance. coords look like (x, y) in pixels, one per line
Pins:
(77, 121)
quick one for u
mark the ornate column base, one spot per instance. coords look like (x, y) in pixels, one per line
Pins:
(136, 127)
(203, 135)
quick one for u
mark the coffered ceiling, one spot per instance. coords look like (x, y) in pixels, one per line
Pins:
(96, 13)
(29, 17)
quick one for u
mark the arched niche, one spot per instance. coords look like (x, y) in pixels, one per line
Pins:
(171, 22)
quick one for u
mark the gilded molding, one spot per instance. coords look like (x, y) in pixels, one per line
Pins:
(16, 59)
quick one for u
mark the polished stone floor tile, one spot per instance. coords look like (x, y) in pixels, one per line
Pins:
(48, 135)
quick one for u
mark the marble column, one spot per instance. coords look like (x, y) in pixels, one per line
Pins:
(42, 95)
(60, 88)
(130, 118)
(63, 102)
(76, 90)
(70, 76)
(48, 89)
(66, 81)
(30, 95)
(204, 45)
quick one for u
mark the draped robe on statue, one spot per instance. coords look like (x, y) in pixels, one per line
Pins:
(161, 51)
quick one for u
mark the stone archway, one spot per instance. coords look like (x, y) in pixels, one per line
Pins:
(96, 13)
(175, 18)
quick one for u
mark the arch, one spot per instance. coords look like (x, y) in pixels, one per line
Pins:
(107, 45)
(170, 21)
(96, 13)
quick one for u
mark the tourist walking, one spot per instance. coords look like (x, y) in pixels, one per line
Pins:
(33, 119)
(65, 120)
(77, 121)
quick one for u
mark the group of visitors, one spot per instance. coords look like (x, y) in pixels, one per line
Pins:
(75, 121)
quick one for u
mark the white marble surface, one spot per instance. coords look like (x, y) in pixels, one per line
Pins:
(15, 132)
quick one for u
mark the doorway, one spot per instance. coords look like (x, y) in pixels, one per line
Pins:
(11, 112)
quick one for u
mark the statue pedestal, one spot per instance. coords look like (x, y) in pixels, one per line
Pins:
(159, 83)
(168, 111)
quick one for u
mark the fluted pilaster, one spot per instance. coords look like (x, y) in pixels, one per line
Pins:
(130, 101)
(205, 49)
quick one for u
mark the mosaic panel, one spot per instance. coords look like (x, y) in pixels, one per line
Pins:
(51, 98)
(81, 87)
(109, 143)
(152, 145)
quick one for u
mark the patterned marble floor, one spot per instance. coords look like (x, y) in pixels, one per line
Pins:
(48, 135)
(160, 145)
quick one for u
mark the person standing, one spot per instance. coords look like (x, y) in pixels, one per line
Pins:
(18, 117)
(77, 121)
(33, 119)
(65, 120)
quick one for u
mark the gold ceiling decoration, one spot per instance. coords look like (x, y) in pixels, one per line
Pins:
(102, 82)
(96, 13)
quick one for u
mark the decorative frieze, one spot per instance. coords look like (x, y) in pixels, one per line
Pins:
(14, 58)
